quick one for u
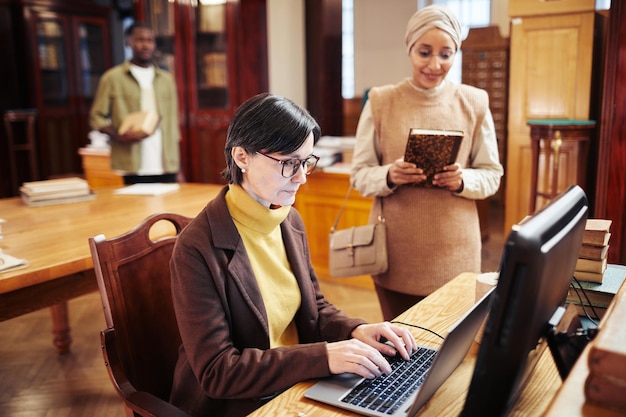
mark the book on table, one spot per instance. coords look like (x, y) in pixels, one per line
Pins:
(607, 356)
(591, 265)
(431, 150)
(593, 252)
(597, 232)
(589, 276)
(599, 295)
(55, 191)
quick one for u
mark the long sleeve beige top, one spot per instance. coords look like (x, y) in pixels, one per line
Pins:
(433, 234)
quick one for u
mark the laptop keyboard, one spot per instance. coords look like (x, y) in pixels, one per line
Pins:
(387, 393)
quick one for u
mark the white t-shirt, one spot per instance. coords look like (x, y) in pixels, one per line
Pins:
(151, 147)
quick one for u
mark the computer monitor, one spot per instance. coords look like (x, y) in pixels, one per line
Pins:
(536, 270)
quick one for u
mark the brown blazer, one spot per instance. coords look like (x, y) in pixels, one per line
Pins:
(225, 366)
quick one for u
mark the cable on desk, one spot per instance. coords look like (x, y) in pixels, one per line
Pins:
(419, 327)
(595, 319)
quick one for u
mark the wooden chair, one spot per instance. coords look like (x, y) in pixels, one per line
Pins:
(141, 341)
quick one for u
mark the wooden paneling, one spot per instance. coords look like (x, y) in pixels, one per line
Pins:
(323, 57)
(319, 201)
(541, 7)
(550, 77)
(610, 180)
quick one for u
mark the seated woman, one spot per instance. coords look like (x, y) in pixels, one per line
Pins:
(251, 315)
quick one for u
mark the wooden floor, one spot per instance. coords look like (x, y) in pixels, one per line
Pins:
(37, 382)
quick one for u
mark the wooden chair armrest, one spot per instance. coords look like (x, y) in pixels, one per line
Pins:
(141, 401)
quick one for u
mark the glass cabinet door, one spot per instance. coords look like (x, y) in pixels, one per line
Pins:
(160, 14)
(91, 60)
(211, 57)
(53, 67)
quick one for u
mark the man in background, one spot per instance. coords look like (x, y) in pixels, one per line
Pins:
(133, 86)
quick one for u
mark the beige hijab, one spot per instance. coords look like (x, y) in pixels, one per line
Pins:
(431, 17)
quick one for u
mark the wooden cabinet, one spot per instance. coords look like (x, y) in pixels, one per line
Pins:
(67, 51)
(97, 167)
(486, 66)
(218, 54)
(319, 201)
(550, 78)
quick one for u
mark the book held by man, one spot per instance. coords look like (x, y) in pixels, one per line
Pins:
(142, 121)
(432, 150)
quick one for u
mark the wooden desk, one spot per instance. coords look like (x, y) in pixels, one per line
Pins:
(570, 399)
(54, 241)
(437, 312)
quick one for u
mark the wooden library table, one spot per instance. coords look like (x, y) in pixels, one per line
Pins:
(54, 241)
(437, 312)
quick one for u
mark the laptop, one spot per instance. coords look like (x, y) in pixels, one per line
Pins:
(427, 371)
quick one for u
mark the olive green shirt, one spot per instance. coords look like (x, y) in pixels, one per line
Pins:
(119, 94)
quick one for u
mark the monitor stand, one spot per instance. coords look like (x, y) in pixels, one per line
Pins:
(567, 338)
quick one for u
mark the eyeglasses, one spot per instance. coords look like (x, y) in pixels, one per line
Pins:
(290, 167)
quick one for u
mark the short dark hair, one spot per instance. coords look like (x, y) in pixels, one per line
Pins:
(267, 123)
(135, 25)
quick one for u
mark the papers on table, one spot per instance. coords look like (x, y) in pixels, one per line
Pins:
(8, 262)
(155, 188)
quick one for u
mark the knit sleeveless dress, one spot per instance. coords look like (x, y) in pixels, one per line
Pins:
(432, 234)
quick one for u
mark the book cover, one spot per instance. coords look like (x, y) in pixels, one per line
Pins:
(431, 150)
(583, 310)
(47, 187)
(588, 276)
(606, 390)
(607, 353)
(141, 121)
(576, 295)
(62, 200)
(51, 195)
(613, 278)
(593, 252)
(597, 232)
(591, 265)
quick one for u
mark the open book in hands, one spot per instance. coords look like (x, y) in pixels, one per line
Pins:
(432, 150)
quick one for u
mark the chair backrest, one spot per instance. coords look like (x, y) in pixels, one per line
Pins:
(141, 340)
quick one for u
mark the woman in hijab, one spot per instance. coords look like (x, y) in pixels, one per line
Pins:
(433, 234)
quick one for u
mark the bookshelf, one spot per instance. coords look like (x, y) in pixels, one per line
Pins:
(67, 50)
(218, 54)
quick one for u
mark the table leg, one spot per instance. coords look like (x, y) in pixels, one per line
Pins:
(61, 327)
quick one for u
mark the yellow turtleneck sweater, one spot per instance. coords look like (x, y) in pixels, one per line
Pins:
(259, 228)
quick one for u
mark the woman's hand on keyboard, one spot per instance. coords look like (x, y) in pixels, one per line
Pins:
(356, 357)
(375, 335)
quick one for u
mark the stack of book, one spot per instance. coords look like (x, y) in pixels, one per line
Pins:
(57, 191)
(592, 259)
(593, 298)
(606, 383)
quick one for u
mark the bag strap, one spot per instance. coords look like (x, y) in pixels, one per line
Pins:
(381, 219)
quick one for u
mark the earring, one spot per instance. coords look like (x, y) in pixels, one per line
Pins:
(243, 170)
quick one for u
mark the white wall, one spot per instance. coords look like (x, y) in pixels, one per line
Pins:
(379, 53)
(286, 49)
